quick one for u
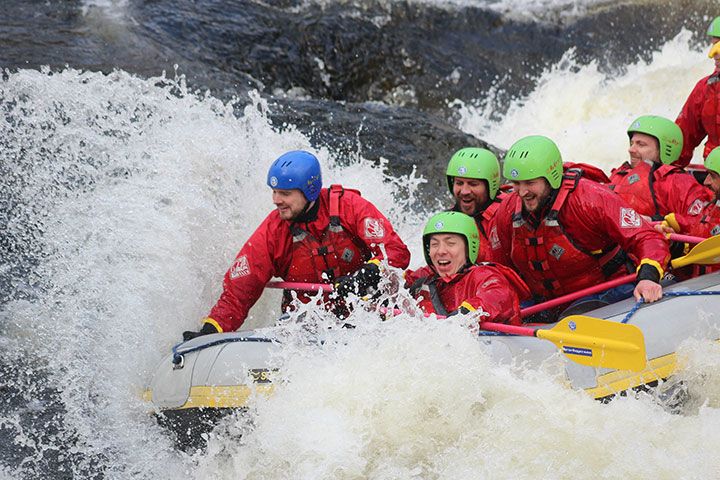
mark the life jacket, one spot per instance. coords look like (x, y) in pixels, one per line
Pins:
(710, 115)
(635, 187)
(319, 260)
(425, 289)
(591, 172)
(487, 230)
(551, 263)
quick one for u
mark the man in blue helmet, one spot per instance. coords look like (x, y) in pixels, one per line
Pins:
(315, 235)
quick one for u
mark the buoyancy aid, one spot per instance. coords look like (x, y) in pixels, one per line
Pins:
(488, 231)
(319, 260)
(551, 262)
(635, 187)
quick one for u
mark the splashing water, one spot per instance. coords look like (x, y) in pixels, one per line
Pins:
(127, 200)
(588, 112)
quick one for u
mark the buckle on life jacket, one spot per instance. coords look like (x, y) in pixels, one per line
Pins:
(324, 250)
(539, 265)
(551, 284)
(534, 241)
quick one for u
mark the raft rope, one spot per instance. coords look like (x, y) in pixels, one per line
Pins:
(641, 302)
(178, 354)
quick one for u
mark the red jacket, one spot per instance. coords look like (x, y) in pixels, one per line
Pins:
(704, 224)
(489, 250)
(269, 253)
(656, 190)
(700, 118)
(495, 289)
(578, 240)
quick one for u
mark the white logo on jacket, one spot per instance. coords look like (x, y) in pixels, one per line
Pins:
(374, 228)
(696, 207)
(240, 268)
(629, 218)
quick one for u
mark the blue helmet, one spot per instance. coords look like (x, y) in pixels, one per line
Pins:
(297, 169)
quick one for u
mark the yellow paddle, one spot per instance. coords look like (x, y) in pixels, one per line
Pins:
(589, 341)
(704, 253)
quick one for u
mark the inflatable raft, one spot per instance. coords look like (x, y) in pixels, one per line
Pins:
(214, 373)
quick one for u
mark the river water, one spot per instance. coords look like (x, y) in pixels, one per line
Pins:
(134, 141)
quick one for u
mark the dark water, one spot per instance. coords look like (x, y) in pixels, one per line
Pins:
(368, 78)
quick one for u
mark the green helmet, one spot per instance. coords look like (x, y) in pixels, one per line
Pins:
(472, 162)
(712, 162)
(667, 133)
(534, 157)
(452, 222)
(714, 28)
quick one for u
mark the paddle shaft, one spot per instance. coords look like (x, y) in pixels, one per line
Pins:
(555, 302)
(685, 238)
(308, 287)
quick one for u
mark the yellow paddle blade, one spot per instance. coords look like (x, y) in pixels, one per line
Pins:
(598, 343)
(704, 253)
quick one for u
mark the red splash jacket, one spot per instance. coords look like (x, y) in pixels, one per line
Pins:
(489, 250)
(700, 118)
(319, 250)
(583, 238)
(495, 289)
(656, 190)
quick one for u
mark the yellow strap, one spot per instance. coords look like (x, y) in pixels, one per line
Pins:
(653, 263)
(212, 322)
(468, 306)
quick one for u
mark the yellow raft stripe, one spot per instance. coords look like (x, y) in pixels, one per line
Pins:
(225, 396)
(614, 382)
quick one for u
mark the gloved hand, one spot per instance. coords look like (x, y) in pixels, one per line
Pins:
(458, 311)
(206, 329)
(367, 277)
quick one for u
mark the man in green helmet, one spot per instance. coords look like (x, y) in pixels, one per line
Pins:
(473, 177)
(707, 222)
(563, 232)
(700, 116)
(452, 283)
(649, 182)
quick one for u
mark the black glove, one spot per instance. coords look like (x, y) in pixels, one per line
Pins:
(206, 329)
(458, 311)
(367, 277)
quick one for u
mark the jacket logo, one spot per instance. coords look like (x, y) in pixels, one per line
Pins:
(347, 255)
(374, 228)
(633, 178)
(715, 231)
(629, 218)
(240, 268)
(557, 251)
(494, 238)
(696, 207)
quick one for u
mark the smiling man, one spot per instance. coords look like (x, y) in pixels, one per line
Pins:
(452, 283)
(707, 222)
(700, 116)
(649, 182)
(314, 235)
(563, 232)
(473, 177)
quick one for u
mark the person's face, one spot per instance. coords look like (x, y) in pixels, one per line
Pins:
(447, 253)
(715, 40)
(290, 203)
(470, 193)
(712, 181)
(643, 147)
(532, 192)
